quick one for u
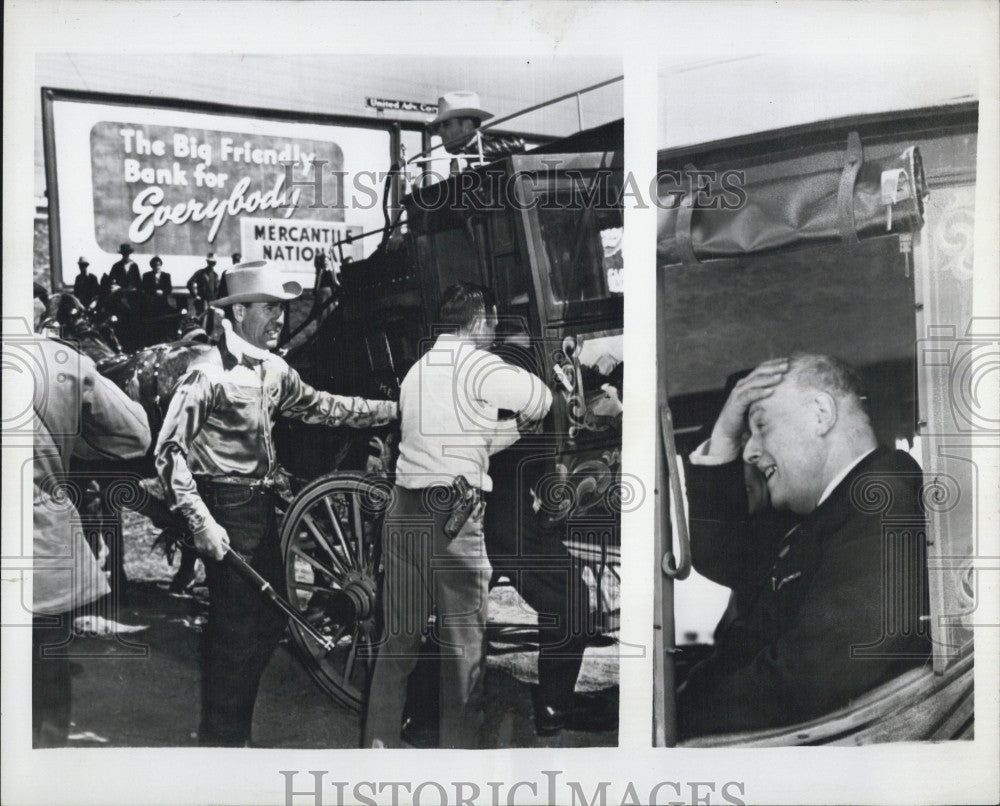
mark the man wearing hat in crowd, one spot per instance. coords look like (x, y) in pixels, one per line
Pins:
(85, 287)
(203, 286)
(156, 283)
(216, 459)
(123, 274)
(237, 257)
(457, 122)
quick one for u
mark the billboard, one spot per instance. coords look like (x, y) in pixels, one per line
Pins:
(180, 180)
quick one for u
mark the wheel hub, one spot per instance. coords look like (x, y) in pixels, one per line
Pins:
(354, 601)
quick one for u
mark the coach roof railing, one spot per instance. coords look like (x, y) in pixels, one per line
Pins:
(496, 121)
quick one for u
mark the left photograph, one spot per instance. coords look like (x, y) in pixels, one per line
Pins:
(329, 398)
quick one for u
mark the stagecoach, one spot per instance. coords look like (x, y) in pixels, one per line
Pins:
(543, 230)
(851, 236)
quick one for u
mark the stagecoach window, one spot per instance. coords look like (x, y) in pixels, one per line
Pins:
(584, 251)
(453, 254)
(727, 318)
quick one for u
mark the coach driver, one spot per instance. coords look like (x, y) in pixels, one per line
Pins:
(818, 625)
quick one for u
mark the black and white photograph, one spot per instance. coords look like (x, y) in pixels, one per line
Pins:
(271, 418)
(821, 381)
(327, 481)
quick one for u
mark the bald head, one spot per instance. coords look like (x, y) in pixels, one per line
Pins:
(839, 380)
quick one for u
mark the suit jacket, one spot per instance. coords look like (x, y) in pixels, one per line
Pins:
(815, 625)
(125, 273)
(204, 284)
(86, 288)
(151, 283)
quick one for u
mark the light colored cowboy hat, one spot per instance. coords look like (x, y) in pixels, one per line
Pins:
(258, 281)
(460, 104)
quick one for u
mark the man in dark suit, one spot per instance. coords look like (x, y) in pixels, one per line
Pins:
(204, 286)
(124, 274)
(85, 287)
(156, 283)
(818, 620)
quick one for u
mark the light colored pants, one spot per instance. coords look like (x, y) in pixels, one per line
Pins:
(425, 571)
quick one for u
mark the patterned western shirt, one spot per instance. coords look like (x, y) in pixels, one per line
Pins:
(221, 416)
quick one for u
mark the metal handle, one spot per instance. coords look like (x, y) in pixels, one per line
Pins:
(678, 567)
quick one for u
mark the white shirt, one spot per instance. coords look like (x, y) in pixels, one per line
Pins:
(842, 475)
(448, 405)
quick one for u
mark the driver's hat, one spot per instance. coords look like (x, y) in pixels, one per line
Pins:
(459, 104)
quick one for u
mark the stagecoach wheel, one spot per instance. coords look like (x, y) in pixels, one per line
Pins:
(330, 546)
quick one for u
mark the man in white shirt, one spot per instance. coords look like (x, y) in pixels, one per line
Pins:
(449, 404)
(821, 619)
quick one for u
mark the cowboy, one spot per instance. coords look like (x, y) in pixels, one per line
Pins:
(459, 116)
(156, 283)
(85, 287)
(203, 286)
(216, 459)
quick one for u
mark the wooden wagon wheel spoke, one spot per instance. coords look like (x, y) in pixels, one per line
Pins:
(335, 638)
(313, 562)
(321, 539)
(359, 529)
(335, 521)
(351, 656)
(340, 563)
(306, 586)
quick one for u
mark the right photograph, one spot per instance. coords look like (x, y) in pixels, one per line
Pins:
(818, 368)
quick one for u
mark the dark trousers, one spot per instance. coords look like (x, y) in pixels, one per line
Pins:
(424, 570)
(549, 580)
(51, 690)
(243, 628)
(546, 577)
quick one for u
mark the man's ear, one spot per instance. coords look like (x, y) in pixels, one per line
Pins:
(825, 408)
(239, 311)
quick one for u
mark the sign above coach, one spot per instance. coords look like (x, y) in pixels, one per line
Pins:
(397, 105)
(178, 179)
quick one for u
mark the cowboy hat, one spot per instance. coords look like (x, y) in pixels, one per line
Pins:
(83, 262)
(460, 104)
(258, 281)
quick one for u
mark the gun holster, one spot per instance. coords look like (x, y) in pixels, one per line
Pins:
(466, 500)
